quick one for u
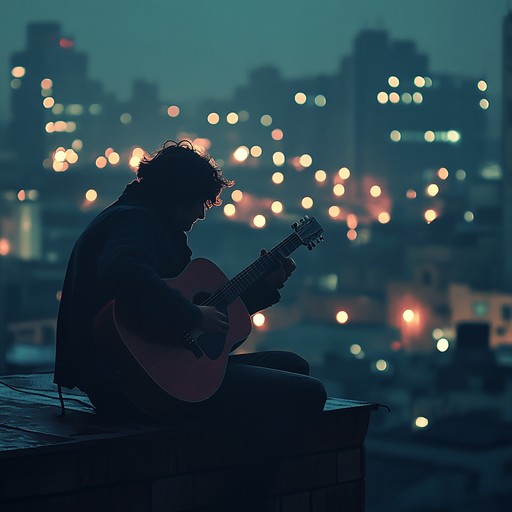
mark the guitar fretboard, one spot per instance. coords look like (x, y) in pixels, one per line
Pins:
(245, 279)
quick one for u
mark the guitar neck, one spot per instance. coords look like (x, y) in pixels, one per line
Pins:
(255, 271)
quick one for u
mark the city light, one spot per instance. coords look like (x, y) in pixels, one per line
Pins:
(18, 72)
(381, 365)
(259, 221)
(375, 191)
(305, 160)
(417, 97)
(482, 85)
(48, 102)
(443, 173)
(320, 100)
(408, 316)
(484, 104)
(430, 136)
(338, 189)
(229, 210)
(258, 319)
(411, 194)
(334, 211)
(125, 118)
(114, 158)
(266, 120)
(351, 234)
(352, 221)
(430, 215)
(342, 317)
(237, 195)
(241, 154)
(307, 203)
(21, 195)
(173, 111)
(442, 344)
(213, 118)
(419, 81)
(46, 83)
(421, 422)
(432, 190)
(232, 118)
(469, 216)
(278, 178)
(101, 162)
(277, 134)
(344, 173)
(256, 151)
(355, 349)
(320, 175)
(395, 136)
(394, 97)
(5, 247)
(460, 174)
(278, 158)
(453, 136)
(382, 97)
(300, 98)
(91, 195)
(393, 81)
(384, 217)
(276, 207)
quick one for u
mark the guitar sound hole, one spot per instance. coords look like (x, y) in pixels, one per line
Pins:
(211, 344)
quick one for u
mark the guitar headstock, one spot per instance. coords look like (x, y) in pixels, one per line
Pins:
(309, 231)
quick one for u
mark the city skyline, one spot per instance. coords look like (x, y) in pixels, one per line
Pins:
(472, 48)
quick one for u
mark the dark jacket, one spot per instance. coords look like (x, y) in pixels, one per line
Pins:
(124, 253)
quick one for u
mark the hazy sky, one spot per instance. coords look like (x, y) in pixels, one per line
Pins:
(206, 47)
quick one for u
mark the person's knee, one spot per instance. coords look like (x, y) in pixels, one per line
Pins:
(294, 363)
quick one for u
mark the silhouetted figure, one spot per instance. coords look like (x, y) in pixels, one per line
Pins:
(123, 254)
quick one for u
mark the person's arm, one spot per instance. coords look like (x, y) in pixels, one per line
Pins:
(127, 267)
(265, 292)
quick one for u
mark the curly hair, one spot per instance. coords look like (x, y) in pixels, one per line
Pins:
(189, 173)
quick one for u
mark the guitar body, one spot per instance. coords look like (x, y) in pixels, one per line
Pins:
(151, 368)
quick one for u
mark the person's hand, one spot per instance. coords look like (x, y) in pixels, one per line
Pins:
(277, 277)
(213, 320)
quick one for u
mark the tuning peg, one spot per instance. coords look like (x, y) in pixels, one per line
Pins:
(295, 225)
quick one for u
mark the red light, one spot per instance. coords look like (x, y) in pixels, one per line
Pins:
(66, 43)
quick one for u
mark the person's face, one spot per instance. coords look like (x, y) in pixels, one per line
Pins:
(187, 214)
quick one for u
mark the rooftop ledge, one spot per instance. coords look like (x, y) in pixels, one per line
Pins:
(87, 463)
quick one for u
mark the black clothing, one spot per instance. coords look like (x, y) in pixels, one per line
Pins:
(123, 254)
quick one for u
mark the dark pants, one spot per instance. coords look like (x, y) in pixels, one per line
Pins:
(273, 403)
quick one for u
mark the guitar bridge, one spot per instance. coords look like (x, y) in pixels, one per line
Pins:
(191, 344)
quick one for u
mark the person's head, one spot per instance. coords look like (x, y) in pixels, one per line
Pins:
(182, 181)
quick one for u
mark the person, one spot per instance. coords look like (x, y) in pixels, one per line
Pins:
(123, 254)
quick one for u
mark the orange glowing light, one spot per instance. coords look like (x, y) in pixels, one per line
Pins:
(432, 190)
(278, 178)
(375, 191)
(101, 162)
(384, 217)
(342, 317)
(277, 134)
(351, 234)
(114, 158)
(5, 247)
(258, 319)
(334, 211)
(48, 102)
(344, 173)
(232, 118)
(352, 221)
(18, 72)
(305, 160)
(307, 203)
(430, 215)
(338, 189)
(237, 195)
(229, 210)
(213, 118)
(241, 154)
(411, 194)
(408, 315)
(276, 207)
(91, 195)
(320, 175)
(300, 98)
(443, 173)
(259, 221)
(173, 111)
(46, 83)
(256, 151)
(278, 158)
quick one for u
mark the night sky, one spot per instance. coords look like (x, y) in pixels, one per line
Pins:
(206, 48)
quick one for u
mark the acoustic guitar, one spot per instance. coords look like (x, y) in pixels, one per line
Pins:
(190, 367)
